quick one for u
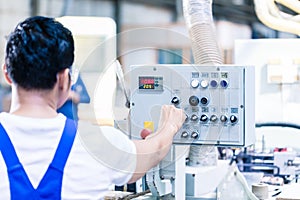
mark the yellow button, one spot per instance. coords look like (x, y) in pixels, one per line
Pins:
(149, 125)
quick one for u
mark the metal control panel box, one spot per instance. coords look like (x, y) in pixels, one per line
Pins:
(218, 102)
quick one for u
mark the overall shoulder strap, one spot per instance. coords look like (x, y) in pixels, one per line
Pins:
(8, 152)
(65, 145)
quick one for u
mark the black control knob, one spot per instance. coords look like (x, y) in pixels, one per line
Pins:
(194, 101)
(223, 118)
(204, 101)
(204, 118)
(194, 117)
(184, 134)
(175, 100)
(213, 118)
(194, 135)
(186, 118)
(233, 119)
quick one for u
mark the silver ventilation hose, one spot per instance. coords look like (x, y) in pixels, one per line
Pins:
(199, 21)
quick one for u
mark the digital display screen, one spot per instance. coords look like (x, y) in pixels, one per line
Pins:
(151, 83)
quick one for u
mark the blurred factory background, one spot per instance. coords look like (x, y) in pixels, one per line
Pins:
(234, 19)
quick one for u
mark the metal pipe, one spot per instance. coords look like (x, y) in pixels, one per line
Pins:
(275, 19)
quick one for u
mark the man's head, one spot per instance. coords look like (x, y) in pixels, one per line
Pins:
(37, 50)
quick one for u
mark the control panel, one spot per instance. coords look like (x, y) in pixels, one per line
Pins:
(218, 102)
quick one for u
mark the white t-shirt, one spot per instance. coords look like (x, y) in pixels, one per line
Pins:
(99, 157)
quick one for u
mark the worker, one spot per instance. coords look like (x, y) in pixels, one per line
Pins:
(46, 155)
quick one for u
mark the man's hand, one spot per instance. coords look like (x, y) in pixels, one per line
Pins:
(171, 117)
(156, 146)
(145, 133)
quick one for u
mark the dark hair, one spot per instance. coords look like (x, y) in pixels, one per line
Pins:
(37, 50)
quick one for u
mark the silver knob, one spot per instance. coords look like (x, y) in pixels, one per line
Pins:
(184, 134)
(213, 118)
(194, 117)
(194, 135)
(223, 118)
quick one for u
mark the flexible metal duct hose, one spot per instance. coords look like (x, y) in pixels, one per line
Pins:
(204, 45)
(199, 21)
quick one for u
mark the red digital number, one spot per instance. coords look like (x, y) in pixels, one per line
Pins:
(147, 81)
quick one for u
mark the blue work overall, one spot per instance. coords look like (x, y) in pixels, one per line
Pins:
(51, 183)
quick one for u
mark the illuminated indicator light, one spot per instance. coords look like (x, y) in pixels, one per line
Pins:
(195, 83)
(213, 83)
(204, 84)
(224, 83)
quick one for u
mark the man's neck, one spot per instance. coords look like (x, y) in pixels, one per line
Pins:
(33, 103)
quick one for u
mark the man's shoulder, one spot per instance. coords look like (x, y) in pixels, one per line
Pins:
(90, 129)
(105, 143)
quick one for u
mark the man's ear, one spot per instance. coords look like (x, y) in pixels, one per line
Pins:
(6, 76)
(64, 79)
